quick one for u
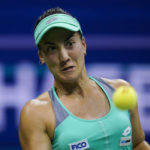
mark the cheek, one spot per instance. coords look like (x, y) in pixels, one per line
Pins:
(78, 52)
(51, 59)
(51, 62)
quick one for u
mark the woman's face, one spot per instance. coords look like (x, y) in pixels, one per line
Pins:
(63, 52)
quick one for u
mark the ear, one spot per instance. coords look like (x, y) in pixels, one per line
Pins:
(41, 57)
(84, 45)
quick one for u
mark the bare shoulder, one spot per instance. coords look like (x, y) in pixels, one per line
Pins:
(37, 106)
(37, 114)
(115, 83)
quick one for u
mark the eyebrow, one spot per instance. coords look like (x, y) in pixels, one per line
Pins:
(50, 43)
(70, 36)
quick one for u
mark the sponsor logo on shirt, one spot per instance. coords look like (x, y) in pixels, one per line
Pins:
(126, 140)
(80, 145)
(127, 131)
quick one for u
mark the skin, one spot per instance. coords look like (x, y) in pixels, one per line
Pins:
(62, 49)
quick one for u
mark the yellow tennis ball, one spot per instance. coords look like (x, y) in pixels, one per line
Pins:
(125, 97)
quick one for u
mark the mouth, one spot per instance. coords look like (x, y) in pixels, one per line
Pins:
(68, 69)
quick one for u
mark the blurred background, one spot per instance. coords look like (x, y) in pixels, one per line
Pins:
(118, 46)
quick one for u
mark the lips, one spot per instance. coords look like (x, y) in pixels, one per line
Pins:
(70, 68)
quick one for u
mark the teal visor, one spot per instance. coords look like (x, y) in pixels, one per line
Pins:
(56, 20)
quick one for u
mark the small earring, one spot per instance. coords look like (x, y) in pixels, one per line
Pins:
(40, 63)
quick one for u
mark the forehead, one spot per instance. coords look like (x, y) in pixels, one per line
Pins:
(57, 34)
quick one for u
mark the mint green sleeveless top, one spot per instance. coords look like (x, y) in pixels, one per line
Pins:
(111, 132)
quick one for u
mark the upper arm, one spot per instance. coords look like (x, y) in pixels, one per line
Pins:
(137, 131)
(32, 129)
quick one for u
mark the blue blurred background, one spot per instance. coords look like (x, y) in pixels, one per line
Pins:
(118, 46)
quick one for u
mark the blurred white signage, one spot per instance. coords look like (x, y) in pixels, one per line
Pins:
(25, 86)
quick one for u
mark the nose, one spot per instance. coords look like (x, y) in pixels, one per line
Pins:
(63, 55)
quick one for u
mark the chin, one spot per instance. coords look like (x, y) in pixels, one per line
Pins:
(69, 78)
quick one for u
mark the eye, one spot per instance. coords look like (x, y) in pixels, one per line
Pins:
(70, 44)
(51, 49)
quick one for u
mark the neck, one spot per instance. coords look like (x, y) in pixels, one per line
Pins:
(79, 86)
